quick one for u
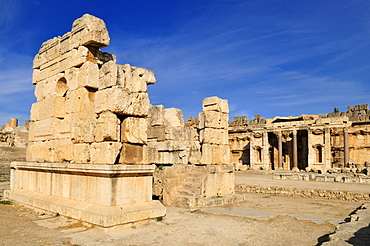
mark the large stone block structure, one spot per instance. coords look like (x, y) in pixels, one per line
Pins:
(307, 142)
(193, 157)
(87, 156)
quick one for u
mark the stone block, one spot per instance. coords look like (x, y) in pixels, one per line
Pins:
(107, 127)
(65, 43)
(150, 154)
(64, 127)
(134, 130)
(44, 129)
(105, 152)
(215, 104)
(215, 154)
(108, 75)
(80, 100)
(89, 30)
(40, 151)
(39, 90)
(120, 101)
(174, 117)
(144, 75)
(81, 153)
(54, 86)
(83, 126)
(71, 75)
(156, 115)
(88, 75)
(131, 80)
(63, 150)
(132, 154)
(214, 136)
(176, 133)
(213, 119)
(54, 107)
(157, 132)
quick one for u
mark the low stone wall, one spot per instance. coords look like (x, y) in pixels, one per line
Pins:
(295, 192)
(343, 178)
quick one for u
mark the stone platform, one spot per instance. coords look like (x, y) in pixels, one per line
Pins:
(104, 195)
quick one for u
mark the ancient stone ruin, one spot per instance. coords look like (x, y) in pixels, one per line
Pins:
(90, 114)
(194, 157)
(319, 142)
(12, 135)
(94, 138)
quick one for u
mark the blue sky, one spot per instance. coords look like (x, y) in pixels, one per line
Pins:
(266, 57)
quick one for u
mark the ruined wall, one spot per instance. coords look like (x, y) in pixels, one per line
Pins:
(90, 113)
(193, 157)
(89, 109)
(170, 140)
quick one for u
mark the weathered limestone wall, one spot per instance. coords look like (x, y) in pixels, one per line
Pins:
(193, 157)
(90, 113)
(89, 109)
(170, 141)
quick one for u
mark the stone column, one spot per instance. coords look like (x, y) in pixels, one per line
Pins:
(346, 148)
(251, 150)
(311, 159)
(327, 150)
(280, 150)
(295, 152)
(265, 150)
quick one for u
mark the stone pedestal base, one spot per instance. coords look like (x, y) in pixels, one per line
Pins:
(104, 195)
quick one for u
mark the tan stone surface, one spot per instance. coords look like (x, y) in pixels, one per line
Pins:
(54, 107)
(105, 152)
(108, 75)
(174, 117)
(81, 153)
(83, 126)
(120, 101)
(134, 130)
(215, 104)
(107, 127)
(80, 100)
(132, 154)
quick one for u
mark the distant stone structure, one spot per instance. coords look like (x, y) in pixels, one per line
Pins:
(307, 142)
(86, 156)
(12, 135)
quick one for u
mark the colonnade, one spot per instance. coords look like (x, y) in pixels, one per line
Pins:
(318, 149)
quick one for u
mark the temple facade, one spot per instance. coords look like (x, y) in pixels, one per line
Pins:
(306, 142)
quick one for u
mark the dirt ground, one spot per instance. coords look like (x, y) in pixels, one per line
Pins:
(261, 220)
